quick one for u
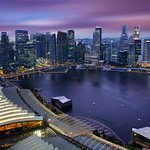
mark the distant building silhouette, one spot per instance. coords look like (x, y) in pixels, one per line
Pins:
(136, 33)
(80, 52)
(6, 52)
(40, 44)
(30, 54)
(53, 48)
(71, 45)
(146, 50)
(61, 54)
(21, 38)
(124, 41)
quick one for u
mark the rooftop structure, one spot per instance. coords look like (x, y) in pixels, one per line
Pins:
(62, 103)
(142, 136)
(62, 99)
(13, 117)
(143, 132)
(33, 142)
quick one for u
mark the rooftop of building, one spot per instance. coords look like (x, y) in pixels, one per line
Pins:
(62, 99)
(145, 132)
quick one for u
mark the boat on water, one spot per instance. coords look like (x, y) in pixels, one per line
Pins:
(93, 103)
(122, 105)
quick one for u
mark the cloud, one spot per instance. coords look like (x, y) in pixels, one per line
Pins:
(53, 15)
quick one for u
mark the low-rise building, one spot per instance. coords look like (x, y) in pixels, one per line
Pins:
(142, 136)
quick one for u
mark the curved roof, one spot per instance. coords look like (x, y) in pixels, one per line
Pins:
(12, 94)
(97, 143)
(33, 142)
(11, 113)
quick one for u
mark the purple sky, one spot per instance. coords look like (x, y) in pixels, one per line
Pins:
(80, 15)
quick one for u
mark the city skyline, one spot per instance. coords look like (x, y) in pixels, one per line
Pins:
(82, 16)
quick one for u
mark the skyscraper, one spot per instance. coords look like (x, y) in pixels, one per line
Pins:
(97, 39)
(80, 52)
(125, 30)
(136, 33)
(123, 58)
(99, 29)
(40, 43)
(131, 55)
(137, 43)
(146, 50)
(124, 41)
(124, 46)
(71, 45)
(29, 54)
(61, 53)
(4, 50)
(137, 48)
(53, 48)
(48, 45)
(21, 38)
(114, 50)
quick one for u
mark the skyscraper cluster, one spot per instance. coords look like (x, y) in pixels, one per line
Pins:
(63, 47)
(126, 50)
(57, 49)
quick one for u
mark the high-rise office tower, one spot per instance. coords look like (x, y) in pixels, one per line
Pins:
(114, 50)
(71, 44)
(124, 41)
(21, 38)
(99, 29)
(11, 52)
(61, 53)
(53, 48)
(106, 47)
(137, 43)
(48, 45)
(97, 42)
(146, 50)
(97, 39)
(123, 58)
(124, 46)
(80, 52)
(29, 54)
(40, 44)
(131, 55)
(137, 48)
(125, 30)
(4, 50)
(136, 33)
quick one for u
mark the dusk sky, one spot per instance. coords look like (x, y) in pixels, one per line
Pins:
(80, 15)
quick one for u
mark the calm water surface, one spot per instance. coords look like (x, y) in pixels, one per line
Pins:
(122, 100)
